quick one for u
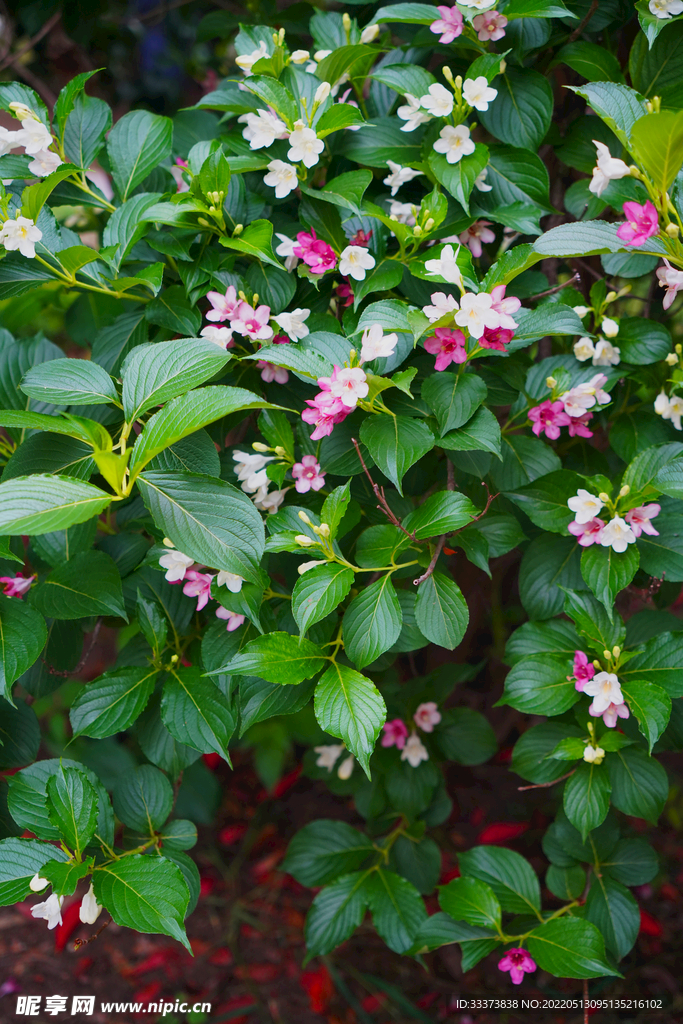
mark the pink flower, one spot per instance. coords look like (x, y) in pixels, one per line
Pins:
(315, 253)
(547, 418)
(280, 339)
(476, 234)
(613, 712)
(427, 716)
(198, 585)
(16, 586)
(395, 734)
(587, 533)
(225, 307)
(344, 291)
(307, 474)
(450, 23)
(325, 411)
(448, 346)
(505, 307)
(639, 519)
(347, 384)
(490, 26)
(270, 373)
(496, 338)
(578, 425)
(253, 322)
(234, 620)
(672, 280)
(583, 669)
(518, 963)
(642, 223)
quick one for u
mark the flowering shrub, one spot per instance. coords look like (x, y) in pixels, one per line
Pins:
(290, 389)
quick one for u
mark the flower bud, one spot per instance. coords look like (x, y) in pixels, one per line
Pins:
(323, 530)
(503, 65)
(672, 230)
(671, 359)
(429, 224)
(369, 34)
(550, 382)
(305, 566)
(678, 348)
(168, 543)
(255, 297)
(239, 228)
(258, 447)
(280, 451)
(322, 92)
(603, 497)
(609, 328)
(304, 518)
(596, 664)
(417, 230)
(300, 56)
(616, 651)
(22, 112)
(624, 491)
(304, 540)
(448, 75)
(203, 221)
(280, 37)
(174, 658)
(346, 21)
(650, 109)
(635, 171)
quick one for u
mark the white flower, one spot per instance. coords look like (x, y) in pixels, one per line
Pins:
(399, 176)
(305, 146)
(305, 566)
(37, 884)
(584, 396)
(476, 314)
(584, 349)
(412, 113)
(662, 405)
(249, 465)
(270, 502)
(443, 305)
(666, 8)
(90, 909)
(328, 755)
(282, 177)
(446, 266)
(671, 359)
(607, 169)
(44, 163)
(50, 910)
(369, 34)
(21, 234)
(230, 580)
(480, 181)
(478, 93)
(455, 143)
(320, 55)
(675, 411)
(247, 60)
(593, 755)
(286, 249)
(404, 213)
(221, 336)
(262, 129)
(349, 385)
(610, 328)
(414, 751)
(300, 56)
(321, 93)
(581, 311)
(585, 506)
(438, 100)
(604, 688)
(606, 354)
(346, 767)
(354, 260)
(293, 323)
(617, 535)
(376, 344)
(8, 140)
(21, 111)
(34, 136)
(177, 565)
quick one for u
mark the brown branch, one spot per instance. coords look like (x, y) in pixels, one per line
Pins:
(383, 505)
(432, 565)
(81, 665)
(12, 58)
(577, 31)
(84, 942)
(442, 539)
(544, 785)
(576, 279)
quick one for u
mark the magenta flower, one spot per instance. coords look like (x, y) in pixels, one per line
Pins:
(315, 253)
(476, 234)
(253, 322)
(518, 963)
(613, 712)
(225, 307)
(270, 373)
(547, 418)
(496, 338)
(490, 25)
(448, 346)
(450, 23)
(642, 223)
(395, 734)
(578, 425)
(583, 669)
(198, 585)
(325, 412)
(639, 519)
(233, 619)
(307, 474)
(587, 533)
(16, 586)
(427, 716)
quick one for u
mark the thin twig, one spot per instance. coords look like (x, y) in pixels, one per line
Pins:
(12, 58)
(379, 494)
(82, 662)
(442, 539)
(544, 785)
(84, 942)
(577, 31)
(558, 288)
(432, 565)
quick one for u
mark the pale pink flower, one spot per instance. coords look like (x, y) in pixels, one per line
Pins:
(642, 223)
(547, 418)
(347, 384)
(518, 962)
(448, 346)
(578, 425)
(612, 713)
(233, 619)
(639, 519)
(505, 307)
(176, 565)
(672, 280)
(221, 336)
(225, 307)
(443, 305)
(450, 24)
(583, 669)
(325, 412)
(395, 734)
(198, 585)
(307, 474)
(16, 586)
(427, 716)
(253, 322)
(476, 234)
(617, 535)
(270, 373)
(489, 26)
(587, 533)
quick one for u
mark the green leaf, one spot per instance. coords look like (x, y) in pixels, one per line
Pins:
(395, 443)
(419, 862)
(442, 512)
(612, 909)
(459, 178)
(650, 23)
(556, 636)
(278, 658)
(274, 95)
(335, 506)
(404, 78)
(652, 707)
(570, 948)
(481, 433)
(350, 707)
(178, 835)
(174, 311)
(386, 275)
(537, 9)
(27, 799)
(372, 622)
(255, 240)
(136, 144)
(617, 105)
(441, 930)
(631, 862)
(539, 686)
(355, 60)
(530, 757)
(143, 799)
(466, 737)
(548, 564)
(657, 71)
(186, 414)
(551, 319)
(34, 197)
(72, 806)
(22, 637)
(639, 783)
(566, 883)
(471, 900)
(152, 622)
(67, 97)
(522, 111)
(112, 703)
(511, 877)
(441, 611)
(397, 909)
(260, 700)
(147, 894)
(84, 132)
(318, 592)
(660, 662)
(126, 226)
(586, 797)
(338, 116)
(206, 518)
(657, 140)
(322, 850)
(607, 572)
(411, 14)
(336, 913)
(19, 734)
(453, 398)
(88, 584)
(69, 382)
(44, 503)
(196, 713)
(591, 61)
(20, 860)
(592, 621)
(545, 500)
(643, 341)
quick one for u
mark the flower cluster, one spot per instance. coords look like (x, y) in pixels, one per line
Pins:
(604, 688)
(486, 317)
(620, 531)
(570, 409)
(411, 746)
(50, 910)
(454, 140)
(180, 568)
